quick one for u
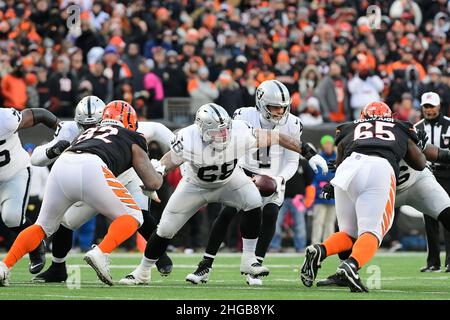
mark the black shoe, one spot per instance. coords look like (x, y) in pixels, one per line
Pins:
(432, 269)
(56, 273)
(447, 268)
(37, 259)
(164, 265)
(333, 280)
(314, 254)
(348, 269)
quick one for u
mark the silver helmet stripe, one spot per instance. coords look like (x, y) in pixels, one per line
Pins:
(217, 112)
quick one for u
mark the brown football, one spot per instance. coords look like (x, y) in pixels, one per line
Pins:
(265, 184)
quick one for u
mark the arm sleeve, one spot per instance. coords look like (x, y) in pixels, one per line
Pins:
(39, 157)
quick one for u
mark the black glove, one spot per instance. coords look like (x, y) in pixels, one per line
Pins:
(57, 149)
(327, 192)
(332, 165)
(423, 138)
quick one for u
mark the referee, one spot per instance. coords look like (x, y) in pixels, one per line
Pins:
(437, 127)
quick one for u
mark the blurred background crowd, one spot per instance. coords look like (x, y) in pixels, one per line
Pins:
(327, 52)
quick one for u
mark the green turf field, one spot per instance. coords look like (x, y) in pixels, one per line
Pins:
(396, 275)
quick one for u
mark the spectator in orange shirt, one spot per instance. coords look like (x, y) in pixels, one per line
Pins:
(14, 88)
(406, 60)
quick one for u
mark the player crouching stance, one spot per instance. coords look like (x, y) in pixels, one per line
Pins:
(369, 150)
(209, 151)
(87, 172)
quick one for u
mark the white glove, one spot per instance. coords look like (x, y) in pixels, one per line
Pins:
(317, 161)
(158, 167)
(281, 187)
(151, 194)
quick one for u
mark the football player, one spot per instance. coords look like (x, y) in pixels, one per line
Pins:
(272, 112)
(369, 152)
(209, 151)
(87, 172)
(15, 172)
(88, 113)
(418, 189)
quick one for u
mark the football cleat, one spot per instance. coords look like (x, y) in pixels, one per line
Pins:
(57, 272)
(430, 269)
(4, 275)
(333, 280)
(37, 259)
(249, 265)
(164, 265)
(349, 271)
(252, 280)
(137, 277)
(201, 274)
(99, 261)
(314, 255)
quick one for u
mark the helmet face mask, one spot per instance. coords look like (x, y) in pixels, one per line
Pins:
(214, 125)
(272, 93)
(89, 112)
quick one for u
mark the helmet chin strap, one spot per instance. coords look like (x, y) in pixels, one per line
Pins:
(265, 122)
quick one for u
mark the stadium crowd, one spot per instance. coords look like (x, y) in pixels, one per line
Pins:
(327, 52)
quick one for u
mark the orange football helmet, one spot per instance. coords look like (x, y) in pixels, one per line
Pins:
(122, 113)
(376, 109)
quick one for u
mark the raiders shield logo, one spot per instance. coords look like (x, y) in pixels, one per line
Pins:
(259, 93)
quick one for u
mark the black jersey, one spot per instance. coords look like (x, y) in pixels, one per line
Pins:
(112, 144)
(383, 137)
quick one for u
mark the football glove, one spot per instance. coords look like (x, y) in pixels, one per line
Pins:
(57, 149)
(317, 161)
(332, 165)
(423, 138)
(158, 167)
(327, 192)
(151, 194)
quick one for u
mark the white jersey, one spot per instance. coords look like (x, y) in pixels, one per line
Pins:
(274, 160)
(206, 166)
(408, 176)
(69, 130)
(13, 157)
(66, 130)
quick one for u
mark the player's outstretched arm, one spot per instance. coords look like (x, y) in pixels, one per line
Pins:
(414, 157)
(435, 154)
(266, 138)
(141, 163)
(33, 116)
(171, 161)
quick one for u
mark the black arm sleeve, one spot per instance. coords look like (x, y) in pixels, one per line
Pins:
(307, 151)
(45, 117)
(443, 156)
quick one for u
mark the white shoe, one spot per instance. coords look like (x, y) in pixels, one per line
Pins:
(201, 275)
(249, 265)
(137, 277)
(4, 275)
(253, 281)
(99, 261)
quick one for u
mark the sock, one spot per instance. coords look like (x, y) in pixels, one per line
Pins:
(155, 247)
(120, 230)
(209, 259)
(364, 248)
(58, 260)
(269, 223)
(344, 255)
(249, 245)
(251, 223)
(146, 264)
(28, 240)
(219, 230)
(337, 242)
(148, 226)
(61, 244)
(444, 218)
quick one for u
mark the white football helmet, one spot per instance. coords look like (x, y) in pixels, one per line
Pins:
(214, 125)
(273, 93)
(89, 111)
